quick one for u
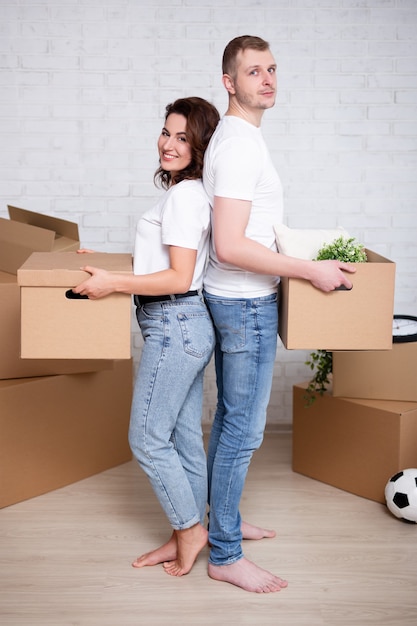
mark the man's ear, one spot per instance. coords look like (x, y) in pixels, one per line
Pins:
(229, 83)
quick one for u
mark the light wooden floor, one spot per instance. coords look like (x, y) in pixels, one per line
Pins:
(65, 556)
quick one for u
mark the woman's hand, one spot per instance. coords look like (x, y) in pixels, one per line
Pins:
(100, 284)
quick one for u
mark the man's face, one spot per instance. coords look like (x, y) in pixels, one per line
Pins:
(255, 82)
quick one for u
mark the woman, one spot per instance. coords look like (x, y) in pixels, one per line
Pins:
(171, 248)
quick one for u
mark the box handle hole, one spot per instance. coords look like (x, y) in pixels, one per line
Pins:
(343, 288)
(74, 296)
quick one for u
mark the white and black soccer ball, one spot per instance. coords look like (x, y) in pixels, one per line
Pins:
(401, 495)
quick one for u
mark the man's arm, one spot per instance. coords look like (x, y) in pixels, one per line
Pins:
(230, 220)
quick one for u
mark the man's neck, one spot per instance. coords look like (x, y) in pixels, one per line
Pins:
(252, 116)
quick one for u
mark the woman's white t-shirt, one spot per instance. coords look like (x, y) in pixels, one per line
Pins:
(238, 165)
(180, 218)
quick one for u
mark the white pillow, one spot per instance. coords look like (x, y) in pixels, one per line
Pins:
(304, 243)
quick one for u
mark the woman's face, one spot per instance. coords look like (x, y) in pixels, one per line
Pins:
(173, 147)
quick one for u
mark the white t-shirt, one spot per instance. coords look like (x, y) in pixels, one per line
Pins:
(238, 165)
(180, 218)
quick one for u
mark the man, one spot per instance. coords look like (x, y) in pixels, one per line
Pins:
(241, 292)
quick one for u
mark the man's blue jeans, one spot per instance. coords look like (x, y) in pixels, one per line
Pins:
(246, 333)
(165, 431)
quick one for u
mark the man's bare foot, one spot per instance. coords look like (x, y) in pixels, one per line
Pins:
(190, 542)
(166, 552)
(248, 576)
(249, 531)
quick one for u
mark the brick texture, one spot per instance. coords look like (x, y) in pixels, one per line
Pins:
(84, 84)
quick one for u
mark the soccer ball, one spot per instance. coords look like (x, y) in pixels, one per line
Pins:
(401, 495)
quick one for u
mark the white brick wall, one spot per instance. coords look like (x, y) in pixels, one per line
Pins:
(84, 83)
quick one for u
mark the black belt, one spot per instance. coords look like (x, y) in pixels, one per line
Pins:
(139, 300)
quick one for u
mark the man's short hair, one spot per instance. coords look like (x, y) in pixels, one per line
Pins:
(240, 44)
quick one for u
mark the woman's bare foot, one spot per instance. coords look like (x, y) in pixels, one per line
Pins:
(166, 552)
(248, 576)
(190, 542)
(249, 531)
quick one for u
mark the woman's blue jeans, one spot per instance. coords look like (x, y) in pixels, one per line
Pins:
(246, 333)
(165, 432)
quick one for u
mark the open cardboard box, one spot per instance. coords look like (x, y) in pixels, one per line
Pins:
(19, 237)
(26, 232)
(353, 444)
(359, 319)
(382, 375)
(54, 325)
(56, 430)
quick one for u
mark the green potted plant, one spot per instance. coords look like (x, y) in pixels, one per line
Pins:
(347, 250)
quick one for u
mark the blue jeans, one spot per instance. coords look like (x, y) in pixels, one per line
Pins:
(165, 432)
(246, 333)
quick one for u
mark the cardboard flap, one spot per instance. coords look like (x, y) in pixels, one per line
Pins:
(6, 278)
(374, 257)
(63, 269)
(18, 241)
(61, 228)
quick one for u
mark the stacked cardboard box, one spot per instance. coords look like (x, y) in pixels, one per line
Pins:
(364, 429)
(354, 444)
(56, 430)
(377, 375)
(62, 418)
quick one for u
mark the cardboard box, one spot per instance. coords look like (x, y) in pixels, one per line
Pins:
(359, 319)
(382, 375)
(56, 326)
(11, 365)
(19, 237)
(28, 232)
(353, 444)
(56, 430)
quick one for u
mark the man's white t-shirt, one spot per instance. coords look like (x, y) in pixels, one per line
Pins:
(238, 165)
(180, 218)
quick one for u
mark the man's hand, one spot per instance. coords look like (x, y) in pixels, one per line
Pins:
(328, 275)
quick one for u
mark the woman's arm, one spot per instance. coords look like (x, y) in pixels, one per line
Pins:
(176, 279)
